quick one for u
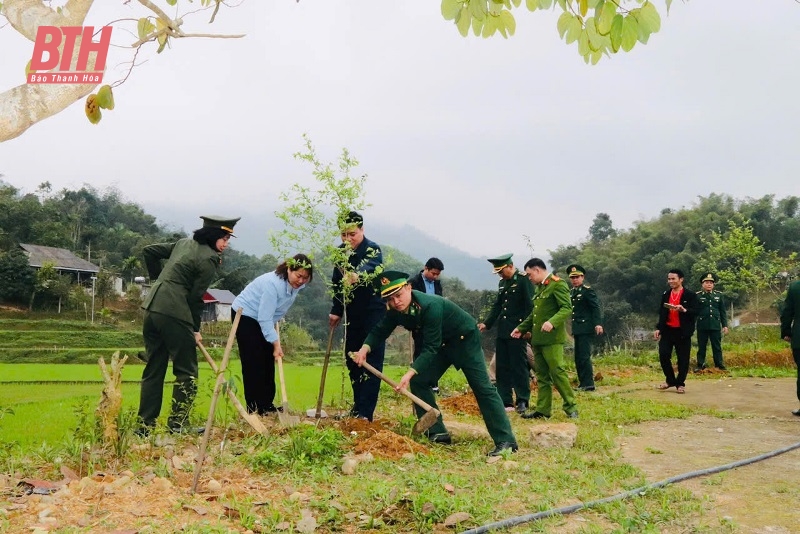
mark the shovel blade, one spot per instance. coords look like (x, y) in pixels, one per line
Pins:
(426, 421)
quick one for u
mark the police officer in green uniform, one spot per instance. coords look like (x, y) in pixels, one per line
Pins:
(450, 337)
(512, 305)
(586, 323)
(171, 326)
(712, 322)
(547, 325)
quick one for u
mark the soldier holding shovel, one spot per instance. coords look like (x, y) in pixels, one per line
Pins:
(451, 337)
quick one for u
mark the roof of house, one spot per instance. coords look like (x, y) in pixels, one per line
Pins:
(63, 259)
(223, 296)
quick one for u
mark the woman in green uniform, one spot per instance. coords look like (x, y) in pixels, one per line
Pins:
(171, 327)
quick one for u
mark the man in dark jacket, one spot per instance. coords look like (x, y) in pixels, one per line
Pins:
(352, 283)
(677, 314)
(426, 281)
(790, 328)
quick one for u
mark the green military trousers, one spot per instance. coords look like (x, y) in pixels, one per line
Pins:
(551, 371)
(166, 337)
(467, 355)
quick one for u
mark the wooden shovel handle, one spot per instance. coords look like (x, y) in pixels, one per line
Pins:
(419, 402)
(318, 413)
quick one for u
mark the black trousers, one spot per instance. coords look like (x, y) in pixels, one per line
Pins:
(258, 366)
(671, 338)
(796, 356)
(366, 386)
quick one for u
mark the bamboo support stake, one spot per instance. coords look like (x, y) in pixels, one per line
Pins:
(249, 418)
(217, 388)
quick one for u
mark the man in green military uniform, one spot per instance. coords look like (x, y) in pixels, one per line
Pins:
(586, 324)
(547, 325)
(450, 337)
(712, 322)
(171, 325)
(512, 305)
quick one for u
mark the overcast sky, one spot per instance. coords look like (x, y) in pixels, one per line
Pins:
(476, 142)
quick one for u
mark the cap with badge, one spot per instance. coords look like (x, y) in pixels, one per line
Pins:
(500, 262)
(575, 270)
(709, 278)
(390, 282)
(223, 223)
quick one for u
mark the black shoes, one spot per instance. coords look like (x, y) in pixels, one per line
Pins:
(442, 439)
(522, 407)
(272, 409)
(435, 390)
(722, 368)
(535, 415)
(586, 388)
(504, 446)
(796, 412)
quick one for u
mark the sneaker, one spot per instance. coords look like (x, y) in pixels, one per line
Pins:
(522, 407)
(535, 415)
(504, 446)
(442, 439)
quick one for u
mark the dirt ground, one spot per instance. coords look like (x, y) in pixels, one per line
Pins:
(761, 497)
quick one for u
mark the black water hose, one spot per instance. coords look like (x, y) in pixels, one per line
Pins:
(506, 523)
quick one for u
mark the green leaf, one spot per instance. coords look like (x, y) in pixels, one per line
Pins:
(595, 56)
(450, 8)
(105, 98)
(463, 21)
(477, 27)
(508, 21)
(172, 2)
(606, 18)
(516, 2)
(592, 4)
(616, 32)
(489, 27)
(532, 5)
(478, 8)
(574, 30)
(144, 27)
(563, 23)
(595, 39)
(649, 17)
(583, 44)
(669, 3)
(583, 7)
(630, 33)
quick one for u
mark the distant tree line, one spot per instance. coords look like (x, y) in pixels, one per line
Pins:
(751, 244)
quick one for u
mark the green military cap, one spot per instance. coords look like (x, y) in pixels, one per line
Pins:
(709, 278)
(499, 262)
(575, 270)
(223, 223)
(390, 282)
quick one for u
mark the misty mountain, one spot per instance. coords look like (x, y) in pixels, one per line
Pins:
(254, 228)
